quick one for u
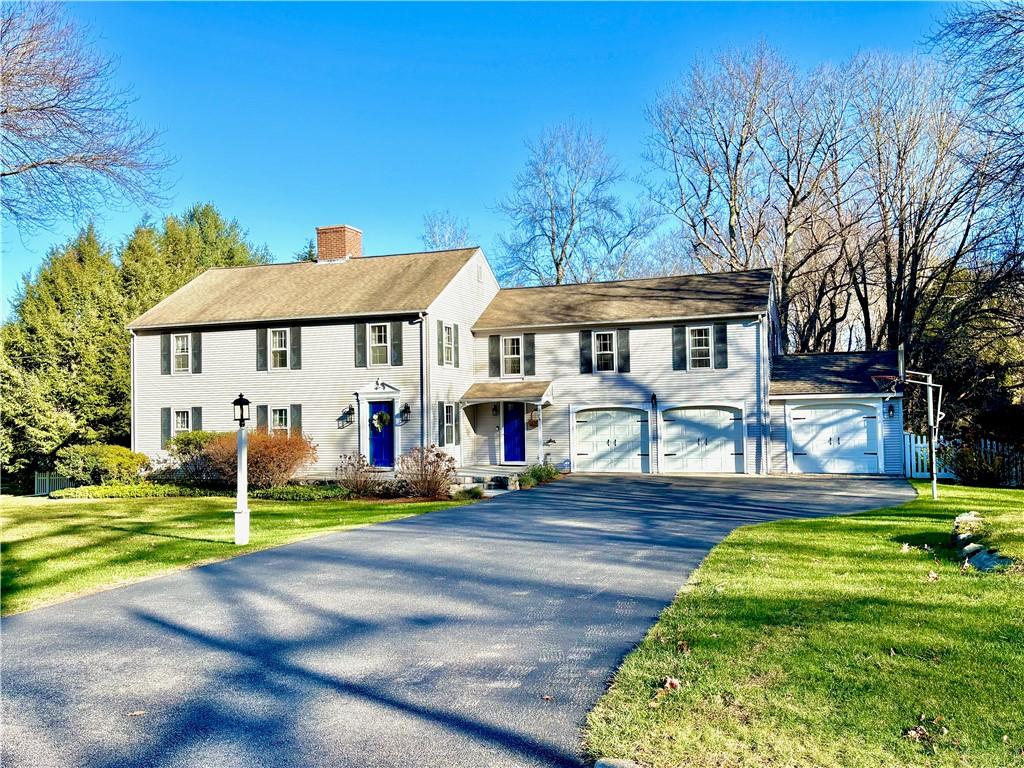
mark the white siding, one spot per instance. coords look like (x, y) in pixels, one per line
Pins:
(324, 386)
(461, 302)
(778, 436)
(892, 436)
(557, 359)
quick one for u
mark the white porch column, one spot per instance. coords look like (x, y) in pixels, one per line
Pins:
(540, 432)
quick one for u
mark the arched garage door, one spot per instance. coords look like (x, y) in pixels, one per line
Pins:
(612, 440)
(705, 439)
(839, 439)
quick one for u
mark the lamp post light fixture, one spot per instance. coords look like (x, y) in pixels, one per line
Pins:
(241, 412)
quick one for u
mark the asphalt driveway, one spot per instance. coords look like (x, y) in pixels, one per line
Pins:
(476, 636)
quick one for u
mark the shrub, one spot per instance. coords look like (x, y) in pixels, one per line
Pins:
(302, 493)
(542, 473)
(188, 451)
(100, 464)
(274, 457)
(356, 474)
(428, 471)
(133, 491)
(469, 494)
(526, 480)
(972, 466)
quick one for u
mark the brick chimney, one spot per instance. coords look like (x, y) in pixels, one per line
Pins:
(338, 243)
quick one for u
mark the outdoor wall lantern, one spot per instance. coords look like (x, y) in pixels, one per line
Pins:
(654, 401)
(241, 406)
(494, 410)
(348, 414)
(891, 411)
(405, 414)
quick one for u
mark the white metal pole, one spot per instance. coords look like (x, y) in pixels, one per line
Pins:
(931, 439)
(242, 494)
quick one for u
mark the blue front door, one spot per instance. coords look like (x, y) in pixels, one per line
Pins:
(514, 431)
(382, 433)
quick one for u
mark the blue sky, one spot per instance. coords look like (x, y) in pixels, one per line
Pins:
(290, 116)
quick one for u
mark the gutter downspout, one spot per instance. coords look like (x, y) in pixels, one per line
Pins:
(421, 322)
(131, 395)
(765, 357)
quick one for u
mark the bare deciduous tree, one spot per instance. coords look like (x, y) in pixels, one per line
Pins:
(442, 230)
(567, 220)
(66, 139)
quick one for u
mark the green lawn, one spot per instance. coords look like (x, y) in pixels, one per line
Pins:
(822, 642)
(52, 550)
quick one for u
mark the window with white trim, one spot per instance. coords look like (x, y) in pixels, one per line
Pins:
(279, 348)
(604, 351)
(449, 345)
(449, 424)
(378, 344)
(512, 356)
(182, 347)
(700, 347)
(182, 421)
(279, 420)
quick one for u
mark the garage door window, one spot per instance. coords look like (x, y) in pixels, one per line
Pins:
(604, 351)
(700, 347)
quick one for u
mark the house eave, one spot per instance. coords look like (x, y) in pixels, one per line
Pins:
(619, 322)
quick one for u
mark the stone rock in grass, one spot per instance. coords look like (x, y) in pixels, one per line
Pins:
(615, 762)
(971, 549)
(968, 527)
(989, 559)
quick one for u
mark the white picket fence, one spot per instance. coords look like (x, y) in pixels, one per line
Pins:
(915, 457)
(50, 481)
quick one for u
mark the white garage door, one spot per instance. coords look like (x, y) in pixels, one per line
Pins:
(702, 440)
(612, 440)
(839, 439)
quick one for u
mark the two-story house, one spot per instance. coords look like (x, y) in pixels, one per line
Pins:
(377, 355)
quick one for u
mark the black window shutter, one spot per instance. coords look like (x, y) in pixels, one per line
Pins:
(678, 347)
(395, 333)
(529, 357)
(494, 355)
(295, 419)
(165, 426)
(262, 417)
(197, 352)
(458, 425)
(455, 345)
(197, 419)
(295, 347)
(261, 349)
(586, 355)
(440, 342)
(360, 344)
(622, 350)
(721, 345)
(165, 354)
(440, 422)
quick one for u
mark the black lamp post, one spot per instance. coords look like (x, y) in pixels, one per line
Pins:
(241, 406)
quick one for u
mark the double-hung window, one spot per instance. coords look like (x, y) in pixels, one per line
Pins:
(604, 351)
(512, 356)
(182, 421)
(700, 347)
(279, 348)
(279, 420)
(181, 353)
(449, 424)
(378, 344)
(449, 345)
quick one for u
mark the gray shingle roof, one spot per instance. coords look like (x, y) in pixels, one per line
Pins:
(657, 298)
(836, 373)
(370, 285)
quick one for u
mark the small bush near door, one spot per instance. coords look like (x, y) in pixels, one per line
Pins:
(429, 472)
(274, 457)
(100, 464)
(359, 476)
(188, 452)
(537, 474)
